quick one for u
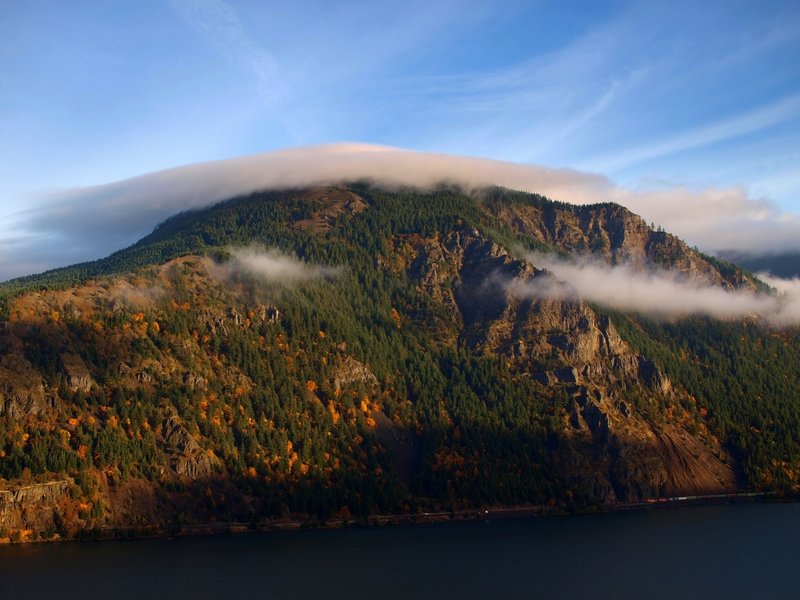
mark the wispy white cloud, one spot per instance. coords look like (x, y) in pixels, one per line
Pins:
(533, 108)
(789, 298)
(271, 266)
(586, 115)
(748, 122)
(218, 25)
(657, 292)
(778, 31)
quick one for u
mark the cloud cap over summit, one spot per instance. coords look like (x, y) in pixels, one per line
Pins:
(86, 223)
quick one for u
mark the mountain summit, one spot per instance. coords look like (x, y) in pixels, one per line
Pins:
(341, 352)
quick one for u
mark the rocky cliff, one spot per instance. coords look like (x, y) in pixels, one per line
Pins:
(412, 362)
(619, 445)
(613, 233)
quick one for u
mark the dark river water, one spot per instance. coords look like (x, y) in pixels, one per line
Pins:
(738, 551)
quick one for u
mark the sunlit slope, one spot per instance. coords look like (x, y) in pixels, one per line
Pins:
(351, 351)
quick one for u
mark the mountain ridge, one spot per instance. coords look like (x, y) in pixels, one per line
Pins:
(412, 379)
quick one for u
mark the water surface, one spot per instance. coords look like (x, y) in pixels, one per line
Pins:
(739, 551)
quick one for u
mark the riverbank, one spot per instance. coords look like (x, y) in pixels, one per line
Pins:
(484, 513)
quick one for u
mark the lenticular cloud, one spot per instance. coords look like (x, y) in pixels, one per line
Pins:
(714, 219)
(82, 224)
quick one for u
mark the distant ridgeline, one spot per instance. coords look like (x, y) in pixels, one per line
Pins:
(785, 264)
(335, 353)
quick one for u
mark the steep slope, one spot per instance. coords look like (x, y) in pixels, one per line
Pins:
(614, 234)
(616, 446)
(391, 368)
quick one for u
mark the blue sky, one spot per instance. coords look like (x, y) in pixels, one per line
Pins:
(651, 95)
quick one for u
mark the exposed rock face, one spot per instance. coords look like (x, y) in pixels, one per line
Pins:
(271, 314)
(148, 372)
(187, 458)
(195, 381)
(21, 388)
(616, 452)
(536, 333)
(629, 457)
(329, 204)
(76, 373)
(31, 506)
(39, 493)
(348, 371)
(614, 234)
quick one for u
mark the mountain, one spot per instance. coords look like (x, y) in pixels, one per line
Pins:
(784, 264)
(334, 353)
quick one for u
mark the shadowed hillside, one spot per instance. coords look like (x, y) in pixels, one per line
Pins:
(341, 352)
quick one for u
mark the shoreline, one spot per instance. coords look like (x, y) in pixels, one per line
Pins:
(474, 514)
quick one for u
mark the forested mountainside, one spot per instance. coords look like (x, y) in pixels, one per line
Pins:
(781, 264)
(370, 356)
